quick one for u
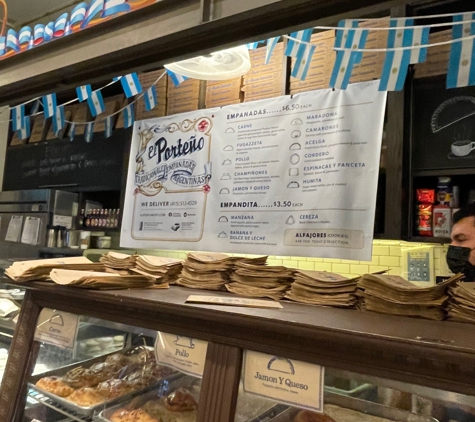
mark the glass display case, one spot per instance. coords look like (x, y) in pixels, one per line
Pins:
(147, 355)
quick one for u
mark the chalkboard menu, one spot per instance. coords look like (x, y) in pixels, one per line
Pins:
(443, 126)
(76, 165)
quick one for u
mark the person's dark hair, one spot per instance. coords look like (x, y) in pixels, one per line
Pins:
(465, 212)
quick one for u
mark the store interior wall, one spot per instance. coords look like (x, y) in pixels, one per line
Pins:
(4, 126)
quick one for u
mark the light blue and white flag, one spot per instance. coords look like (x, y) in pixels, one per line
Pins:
(176, 79)
(18, 117)
(25, 35)
(420, 36)
(271, 43)
(117, 78)
(108, 124)
(150, 98)
(58, 119)
(113, 7)
(12, 40)
(253, 45)
(95, 8)
(60, 25)
(396, 62)
(342, 33)
(293, 44)
(39, 33)
(131, 84)
(35, 108)
(49, 31)
(88, 131)
(461, 70)
(84, 92)
(49, 105)
(129, 115)
(303, 60)
(78, 15)
(3, 45)
(96, 103)
(68, 29)
(346, 59)
(25, 131)
(72, 131)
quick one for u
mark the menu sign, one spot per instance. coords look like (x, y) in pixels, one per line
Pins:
(184, 354)
(295, 175)
(57, 328)
(287, 381)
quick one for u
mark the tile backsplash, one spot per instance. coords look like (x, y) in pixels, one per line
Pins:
(387, 255)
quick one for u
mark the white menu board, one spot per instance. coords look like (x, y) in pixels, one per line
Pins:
(287, 176)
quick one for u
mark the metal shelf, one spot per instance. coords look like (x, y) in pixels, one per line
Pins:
(46, 401)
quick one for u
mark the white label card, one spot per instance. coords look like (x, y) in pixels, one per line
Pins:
(57, 328)
(184, 354)
(63, 221)
(14, 228)
(31, 230)
(287, 381)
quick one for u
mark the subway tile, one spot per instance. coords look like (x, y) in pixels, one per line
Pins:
(321, 266)
(277, 262)
(282, 257)
(298, 258)
(332, 261)
(349, 275)
(395, 271)
(305, 265)
(381, 250)
(374, 261)
(315, 259)
(290, 264)
(377, 268)
(395, 251)
(391, 261)
(173, 255)
(359, 269)
(341, 268)
(390, 242)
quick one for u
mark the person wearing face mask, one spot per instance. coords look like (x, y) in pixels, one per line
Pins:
(461, 252)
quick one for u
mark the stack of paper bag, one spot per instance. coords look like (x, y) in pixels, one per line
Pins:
(323, 288)
(39, 270)
(119, 263)
(394, 295)
(253, 280)
(98, 280)
(163, 270)
(461, 306)
(210, 270)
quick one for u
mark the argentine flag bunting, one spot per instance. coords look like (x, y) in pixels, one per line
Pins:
(84, 92)
(129, 115)
(342, 34)
(78, 15)
(25, 35)
(96, 103)
(461, 70)
(18, 117)
(89, 130)
(49, 31)
(346, 59)
(108, 125)
(253, 45)
(72, 131)
(303, 60)
(95, 8)
(113, 7)
(3, 45)
(150, 98)
(60, 25)
(176, 79)
(293, 44)
(39, 33)
(397, 62)
(25, 131)
(420, 36)
(58, 119)
(131, 85)
(12, 40)
(271, 43)
(49, 105)
(35, 107)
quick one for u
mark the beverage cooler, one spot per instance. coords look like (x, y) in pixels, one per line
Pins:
(27, 217)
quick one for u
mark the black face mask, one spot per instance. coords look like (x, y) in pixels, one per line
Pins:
(458, 262)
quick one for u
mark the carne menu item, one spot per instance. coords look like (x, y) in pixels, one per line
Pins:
(307, 416)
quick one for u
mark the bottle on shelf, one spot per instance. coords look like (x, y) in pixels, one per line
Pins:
(101, 218)
(82, 219)
(117, 219)
(88, 219)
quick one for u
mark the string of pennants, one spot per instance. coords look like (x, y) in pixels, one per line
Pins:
(406, 44)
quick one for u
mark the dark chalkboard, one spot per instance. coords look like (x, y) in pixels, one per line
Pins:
(443, 126)
(75, 165)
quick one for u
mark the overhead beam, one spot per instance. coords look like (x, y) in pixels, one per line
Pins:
(166, 31)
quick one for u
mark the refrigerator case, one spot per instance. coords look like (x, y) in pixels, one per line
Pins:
(53, 208)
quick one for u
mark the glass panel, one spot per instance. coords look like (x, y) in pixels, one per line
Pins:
(110, 373)
(352, 397)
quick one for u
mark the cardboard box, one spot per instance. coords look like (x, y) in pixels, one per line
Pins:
(184, 86)
(261, 78)
(225, 96)
(185, 94)
(119, 124)
(190, 105)
(112, 105)
(234, 80)
(225, 85)
(17, 141)
(323, 35)
(148, 78)
(68, 114)
(222, 104)
(80, 115)
(276, 84)
(261, 92)
(263, 70)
